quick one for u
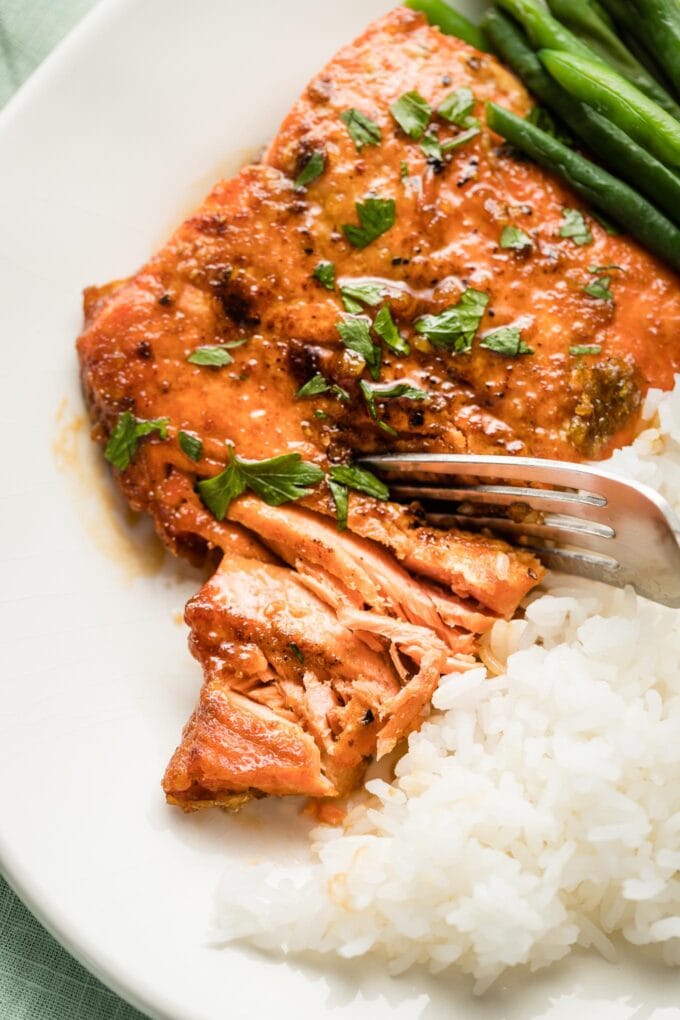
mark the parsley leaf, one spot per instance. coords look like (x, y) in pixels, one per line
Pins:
(325, 274)
(575, 227)
(431, 147)
(317, 385)
(403, 170)
(454, 329)
(213, 355)
(276, 480)
(604, 269)
(388, 332)
(461, 139)
(513, 237)
(388, 392)
(340, 495)
(359, 479)
(457, 107)
(376, 215)
(579, 349)
(412, 113)
(190, 445)
(313, 168)
(353, 294)
(355, 334)
(600, 289)
(295, 649)
(362, 129)
(507, 341)
(124, 439)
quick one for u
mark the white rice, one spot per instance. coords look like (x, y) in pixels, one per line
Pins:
(534, 811)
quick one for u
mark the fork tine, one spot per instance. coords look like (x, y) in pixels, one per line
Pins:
(582, 505)
(594, 537)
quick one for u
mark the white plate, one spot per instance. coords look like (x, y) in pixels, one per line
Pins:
(110, 144)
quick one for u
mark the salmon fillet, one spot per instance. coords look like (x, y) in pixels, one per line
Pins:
(322, 648)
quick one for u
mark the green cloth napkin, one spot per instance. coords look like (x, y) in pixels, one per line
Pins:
(38, 979)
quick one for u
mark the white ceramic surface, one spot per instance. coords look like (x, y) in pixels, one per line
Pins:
(115, 138)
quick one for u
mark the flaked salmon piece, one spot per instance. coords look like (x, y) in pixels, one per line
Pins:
(367, 574)
(471, 565)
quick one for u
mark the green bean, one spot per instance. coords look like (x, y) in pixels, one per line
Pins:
(633, 163)
(582, 17)
(544, 30)
(659, 22)
(441, 14)
(615, 98)
(593, 184)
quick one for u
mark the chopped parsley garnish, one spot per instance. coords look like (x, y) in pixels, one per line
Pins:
(212, 355)
(461, 139)
(575, 227)
(355, 333)
(317, 385)
(388, 392)
(507, 340)
(600, 289)
(605, 269)
(325, 274)
(454, 329)
(403, 170)
(431, 147)
(354, 294)
(412, 113)
(386, 329)
(376, 215)
(513, 237)
(457, 108)
(359, 479)
(124, 440)
(276, 480)
(362, 129)
(313, 168)
(191, 445)
(295, 649)
(579, 349)
(340, 495)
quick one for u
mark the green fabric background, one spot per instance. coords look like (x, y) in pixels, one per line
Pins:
(38, 979)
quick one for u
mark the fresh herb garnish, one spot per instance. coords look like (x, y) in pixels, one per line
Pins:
(295, 649)
(191, 445)
(403, 170)
(376, 215)
(354, 294)
(454, 329)
(579, 349)
(575, 227)
(276, 480)
(325, 274)
(386, 329)
(340, 496)
(388, 392)
(317, 385)
(412, 113)
(457, 108)
(355, 334)
(362, 129)
(212, 355)
(513, 237)
(604, 269)
(461, 139)
(124, 439)
(313, 168)
(431, 147)
(600, 289)
(507, 340)
(360, 479)
(320, 414)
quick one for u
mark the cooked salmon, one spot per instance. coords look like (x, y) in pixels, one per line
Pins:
(361, 293)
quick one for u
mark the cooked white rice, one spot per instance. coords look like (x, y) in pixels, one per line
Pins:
(534, 811)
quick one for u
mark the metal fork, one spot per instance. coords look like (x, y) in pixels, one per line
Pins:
(585, 522)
